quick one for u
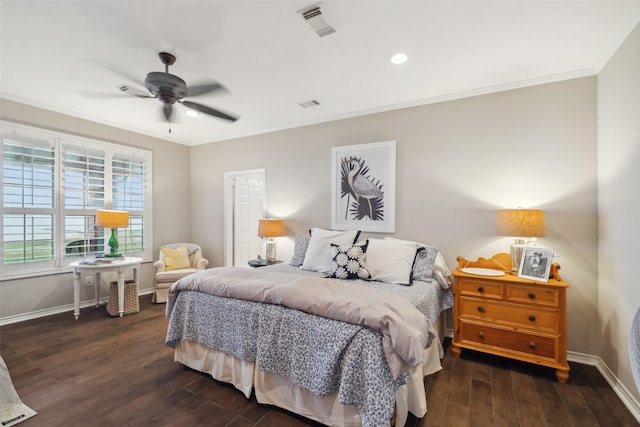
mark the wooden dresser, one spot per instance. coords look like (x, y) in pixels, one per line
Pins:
(509, 316)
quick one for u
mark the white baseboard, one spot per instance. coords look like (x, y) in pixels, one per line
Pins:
(57, 310)
(623, 393)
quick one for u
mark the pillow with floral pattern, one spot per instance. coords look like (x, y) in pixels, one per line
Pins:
(299, 250)
(349, 261)
(423, 263)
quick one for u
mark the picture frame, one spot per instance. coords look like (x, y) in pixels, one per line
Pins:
(363, 187)
(535, 264)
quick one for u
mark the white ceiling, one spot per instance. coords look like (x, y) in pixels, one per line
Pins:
(70, 56)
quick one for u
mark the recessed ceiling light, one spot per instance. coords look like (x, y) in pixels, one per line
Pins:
(192, 113)
(399, 58)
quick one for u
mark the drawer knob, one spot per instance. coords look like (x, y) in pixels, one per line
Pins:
(481, 309)
(532, 345)
(480, 288)
(481, 335)
(532, 295)
(532, 318)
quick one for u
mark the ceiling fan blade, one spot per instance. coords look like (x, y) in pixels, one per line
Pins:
(208, 110)
(167, 109)
(203, 88)
(134, 91)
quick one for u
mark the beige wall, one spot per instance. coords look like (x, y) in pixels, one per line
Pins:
(618, 206)
(457, 163)
(171, 202)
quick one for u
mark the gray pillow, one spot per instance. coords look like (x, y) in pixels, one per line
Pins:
(299, 250)
(423, 264)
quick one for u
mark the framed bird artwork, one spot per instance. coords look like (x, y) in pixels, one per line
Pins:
(363, 184)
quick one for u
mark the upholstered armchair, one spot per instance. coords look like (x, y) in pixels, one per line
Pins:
(175, 261)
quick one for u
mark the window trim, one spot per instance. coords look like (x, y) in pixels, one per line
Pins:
(111, 150)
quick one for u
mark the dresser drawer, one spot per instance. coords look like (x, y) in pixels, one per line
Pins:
(509, 340)
(532, 294)
(518, 315)
(481, 288)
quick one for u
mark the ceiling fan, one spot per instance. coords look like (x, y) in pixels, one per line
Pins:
(169, 89)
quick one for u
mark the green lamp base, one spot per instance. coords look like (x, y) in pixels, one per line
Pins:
(113, 245)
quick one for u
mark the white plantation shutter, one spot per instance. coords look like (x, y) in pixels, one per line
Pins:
(52, 184)
(83, 178)
(129, 187)
(83, 190)
(28, 200)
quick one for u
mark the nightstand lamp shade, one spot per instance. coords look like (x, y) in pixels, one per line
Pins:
(520, 223)
(270, 228)
(112, 219)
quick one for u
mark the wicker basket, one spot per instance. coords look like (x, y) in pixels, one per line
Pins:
(131, 302)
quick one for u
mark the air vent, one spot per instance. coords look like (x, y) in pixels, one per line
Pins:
(313, 15)
(308, 104)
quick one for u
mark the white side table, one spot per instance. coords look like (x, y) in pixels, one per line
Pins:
(120, 265)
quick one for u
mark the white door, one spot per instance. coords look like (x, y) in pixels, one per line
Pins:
(244, 204)
(248, 208)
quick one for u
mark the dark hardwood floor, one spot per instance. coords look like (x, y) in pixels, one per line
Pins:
(106, 371)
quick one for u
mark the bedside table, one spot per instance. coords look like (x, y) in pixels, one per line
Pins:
(509, 316)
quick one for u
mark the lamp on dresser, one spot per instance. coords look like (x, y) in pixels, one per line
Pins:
(520, 224)
(270, 228)
(112, 219)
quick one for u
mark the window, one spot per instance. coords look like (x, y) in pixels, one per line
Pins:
(51, 186)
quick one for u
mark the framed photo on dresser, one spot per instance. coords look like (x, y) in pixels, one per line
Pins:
(536, 264)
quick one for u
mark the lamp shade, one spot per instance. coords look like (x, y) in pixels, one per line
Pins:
(521, 222)
(271, 228)
(112, 219)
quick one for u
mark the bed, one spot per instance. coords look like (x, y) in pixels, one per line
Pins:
(347, 350)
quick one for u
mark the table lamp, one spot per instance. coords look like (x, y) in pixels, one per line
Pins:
(520, 223)
(270, 228)
(113, 220)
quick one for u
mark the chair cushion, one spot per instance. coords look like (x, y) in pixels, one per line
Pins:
(173, 275)
(175, 259)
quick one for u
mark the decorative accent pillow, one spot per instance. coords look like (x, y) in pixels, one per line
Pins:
(299, 250)
(349, 261)
(175, 259)
(441, 272)
(391, 260)
(318, 256)
(423, 265)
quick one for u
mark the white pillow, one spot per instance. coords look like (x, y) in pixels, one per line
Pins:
(440, 271)
(319, 256)
(391, 260)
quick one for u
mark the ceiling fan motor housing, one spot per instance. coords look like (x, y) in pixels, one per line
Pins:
(165, 85)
